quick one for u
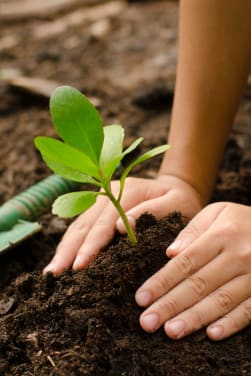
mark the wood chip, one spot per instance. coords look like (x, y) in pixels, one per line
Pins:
(38, 86)
(9, 73)
(8, 41)
(76, 18)
(25, 9)
(51, 361)
(5, 304)
(33, 338)
(100, 29)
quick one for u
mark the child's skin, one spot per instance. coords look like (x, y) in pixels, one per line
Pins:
(208, 280)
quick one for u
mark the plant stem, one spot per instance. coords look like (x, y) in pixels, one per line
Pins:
(121, 212)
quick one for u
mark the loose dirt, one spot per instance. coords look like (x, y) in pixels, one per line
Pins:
(86, 323)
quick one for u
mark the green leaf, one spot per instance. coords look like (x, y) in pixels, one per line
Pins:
(149, 154)
(111, 153)
(77, 121)
(63, 158)
(69, 173)
(133, 146)
(74, 203)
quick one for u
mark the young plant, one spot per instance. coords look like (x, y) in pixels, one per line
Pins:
(89, 153)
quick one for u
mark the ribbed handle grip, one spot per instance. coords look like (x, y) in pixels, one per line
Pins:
(34, 201)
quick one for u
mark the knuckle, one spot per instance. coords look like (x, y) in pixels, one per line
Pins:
(130, 180)
(184, 264)
(160, 283)
(224, 300)
(247, 311)
(198, 286)
(82, 227)
(197, 320)
(229, 228)
(129, 183)
(245, 257)
(115, 186)
(232, 323)
(169, 307)
(102, 223)
(78, 225)
(190, 231)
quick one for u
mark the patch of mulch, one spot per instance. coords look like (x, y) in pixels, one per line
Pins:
(86, 323)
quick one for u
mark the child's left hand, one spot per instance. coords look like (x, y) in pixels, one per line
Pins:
(208, 280)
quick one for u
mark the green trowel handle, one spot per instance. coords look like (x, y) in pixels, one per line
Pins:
(35, 201)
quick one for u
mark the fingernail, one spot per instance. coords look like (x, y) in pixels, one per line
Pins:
(77, 263)
(143, 298)
(131, 220)
(176, 327)
(215, 331)
(150, 322)
(49, 268)
(175, 245)
(175, 248)
(121, 226)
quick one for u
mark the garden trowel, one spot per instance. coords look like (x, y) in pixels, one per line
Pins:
(17, 214)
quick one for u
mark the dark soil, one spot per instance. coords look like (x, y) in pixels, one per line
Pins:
(86, 323)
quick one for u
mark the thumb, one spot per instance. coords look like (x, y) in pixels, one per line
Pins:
(195, 228)
(158, 207)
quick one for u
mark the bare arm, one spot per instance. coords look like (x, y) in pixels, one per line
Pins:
(214, 59)
(213, 66)
(207, 282)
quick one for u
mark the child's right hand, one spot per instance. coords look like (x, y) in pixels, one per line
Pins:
(93, 230)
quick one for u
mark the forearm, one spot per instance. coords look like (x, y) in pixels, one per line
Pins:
(213, 65)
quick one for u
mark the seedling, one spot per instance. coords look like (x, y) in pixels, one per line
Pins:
(89, 153)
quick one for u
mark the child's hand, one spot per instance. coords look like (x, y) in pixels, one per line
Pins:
(208, 281)
(92, 231)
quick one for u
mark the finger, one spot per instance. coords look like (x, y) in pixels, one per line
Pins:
(163, 203)
(99, 235)
(196, 227)
(229, 300)
(74, 237)
(236, 320)
(185, 264)
(103, 230)
(141, 200)
(188, 292)
(155, 206)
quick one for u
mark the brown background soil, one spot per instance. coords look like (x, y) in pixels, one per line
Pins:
(87, 323)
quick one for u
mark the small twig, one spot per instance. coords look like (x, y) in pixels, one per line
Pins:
(17, 10)
(79, 17)
(51, 361)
